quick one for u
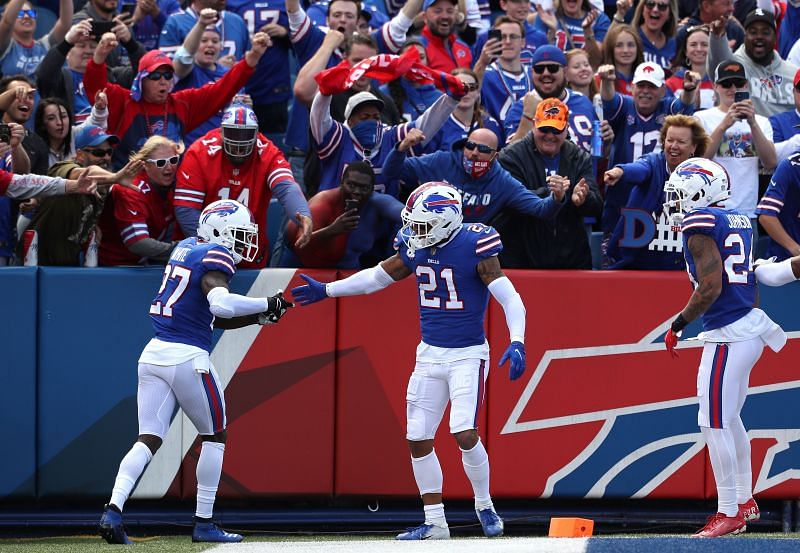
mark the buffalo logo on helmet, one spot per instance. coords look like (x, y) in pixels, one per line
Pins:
(690, 169)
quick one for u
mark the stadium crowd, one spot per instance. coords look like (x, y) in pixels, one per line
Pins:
(558, 121)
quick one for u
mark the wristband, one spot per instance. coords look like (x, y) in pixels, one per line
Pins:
(619, 19)
(679, 323)
(528, 117)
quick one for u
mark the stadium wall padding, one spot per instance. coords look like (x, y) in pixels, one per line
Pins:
(316, 404)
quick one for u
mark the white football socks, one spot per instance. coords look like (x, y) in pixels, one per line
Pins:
(209, 469)
(744, 471)
(722, 452)
(130, 469)
(476, 466)
(428, 473)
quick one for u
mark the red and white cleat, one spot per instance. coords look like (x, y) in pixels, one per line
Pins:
(721, 525)
(749, 510)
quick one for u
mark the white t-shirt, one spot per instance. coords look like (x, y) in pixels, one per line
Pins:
(737, 155)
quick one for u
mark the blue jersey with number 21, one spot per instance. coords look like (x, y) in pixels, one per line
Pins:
(452, 296)
(180, 311)
(733, 235)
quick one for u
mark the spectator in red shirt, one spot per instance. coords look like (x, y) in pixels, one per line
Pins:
(150, 107)
(445, 52)
(138, 226)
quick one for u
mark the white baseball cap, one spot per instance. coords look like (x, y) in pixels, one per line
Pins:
(361, 98)
(649, 72)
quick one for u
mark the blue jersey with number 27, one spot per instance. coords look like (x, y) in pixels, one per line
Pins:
(452, 296)
(733, 235)
(180, 311)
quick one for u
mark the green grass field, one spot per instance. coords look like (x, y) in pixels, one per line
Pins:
(331, 543)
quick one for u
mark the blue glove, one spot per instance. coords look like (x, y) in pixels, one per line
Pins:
(312, 292)
(516, 354)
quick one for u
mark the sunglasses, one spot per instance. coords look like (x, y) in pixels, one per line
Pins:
(738, 83)
(161, 163)
(656, 5)
(482, 148)
(30, 13)
(551, 68)
(99, 152)
(156, 75)
(549, 130)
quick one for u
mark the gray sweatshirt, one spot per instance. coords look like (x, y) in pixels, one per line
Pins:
(770, 85)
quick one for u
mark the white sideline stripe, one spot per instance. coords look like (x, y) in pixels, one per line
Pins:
(477, 545)
(226, 357)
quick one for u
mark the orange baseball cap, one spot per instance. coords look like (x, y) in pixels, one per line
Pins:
(551, 112)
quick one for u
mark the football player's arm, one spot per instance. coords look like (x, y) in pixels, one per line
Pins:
(367, 281)
(708, 268)
(506, 295)
(236, 310)
(778, 274)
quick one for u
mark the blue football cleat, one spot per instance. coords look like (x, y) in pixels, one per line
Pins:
(425, 532)
(111, 528)
(210, 532)
(491, 522)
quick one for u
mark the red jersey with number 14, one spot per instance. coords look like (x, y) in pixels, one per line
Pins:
(207, 175)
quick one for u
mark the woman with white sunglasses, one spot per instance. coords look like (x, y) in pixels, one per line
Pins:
(138, 226)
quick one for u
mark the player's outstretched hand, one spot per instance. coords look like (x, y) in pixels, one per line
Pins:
(309, 293)
(516, 355)
(671, 340)
(278, 306)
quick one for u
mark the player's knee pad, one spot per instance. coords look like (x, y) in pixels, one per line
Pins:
(423, 413)
(464, 403)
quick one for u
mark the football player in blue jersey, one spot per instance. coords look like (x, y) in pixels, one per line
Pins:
(175, 366)
(718, 245)
(456, 268)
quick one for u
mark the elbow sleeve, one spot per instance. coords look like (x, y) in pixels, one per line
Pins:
(506, 295)
(223, 304)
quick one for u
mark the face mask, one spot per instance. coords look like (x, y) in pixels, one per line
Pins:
(366, 133)
(475, 169)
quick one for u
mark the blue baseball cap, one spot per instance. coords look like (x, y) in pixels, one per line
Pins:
(428, 3)
(548, 53)
(89, 136)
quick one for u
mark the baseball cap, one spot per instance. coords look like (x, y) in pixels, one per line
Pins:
(551, 112)
(759, 15)
(152, 60)
(359, 99)
(729, 69)
(548, 53)
(649, 72)
(428, 3)
(797, 77)
(91, 135)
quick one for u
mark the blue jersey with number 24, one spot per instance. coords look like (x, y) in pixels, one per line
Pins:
(452, 296)
(180, 311)
(733, 235)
